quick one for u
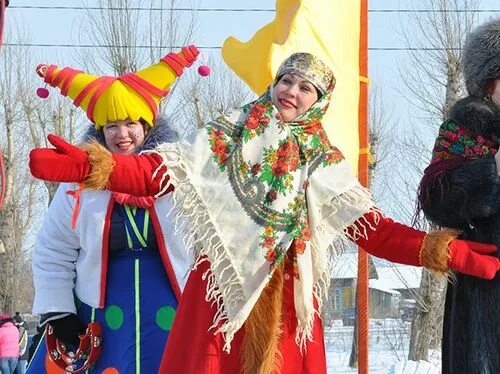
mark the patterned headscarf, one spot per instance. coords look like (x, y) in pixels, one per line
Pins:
(454, 146)
(308, 67)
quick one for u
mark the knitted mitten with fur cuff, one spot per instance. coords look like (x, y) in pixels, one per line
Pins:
(96, 168)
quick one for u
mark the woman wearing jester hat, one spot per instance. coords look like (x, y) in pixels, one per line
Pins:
(110, 257)
(267, 196)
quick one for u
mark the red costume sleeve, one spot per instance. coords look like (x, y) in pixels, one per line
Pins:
(388, 239)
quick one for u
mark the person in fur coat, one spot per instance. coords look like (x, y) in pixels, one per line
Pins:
(109, 257)
(460, 189)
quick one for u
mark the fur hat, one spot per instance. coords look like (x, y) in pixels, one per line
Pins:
(481, 58)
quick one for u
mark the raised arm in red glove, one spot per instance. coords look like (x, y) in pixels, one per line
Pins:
(438, 251)
(97, 168)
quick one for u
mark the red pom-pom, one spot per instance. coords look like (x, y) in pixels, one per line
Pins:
(42, 92)
(204, 70)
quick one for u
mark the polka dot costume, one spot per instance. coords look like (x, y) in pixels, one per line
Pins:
(139, 311)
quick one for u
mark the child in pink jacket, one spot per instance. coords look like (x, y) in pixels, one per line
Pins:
(9, 345)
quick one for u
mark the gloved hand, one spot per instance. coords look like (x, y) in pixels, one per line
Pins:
(65, 163)
(98, 169)
(438, 251)
(138, 201)
(135, 175)
(472, 258)
(68, 329)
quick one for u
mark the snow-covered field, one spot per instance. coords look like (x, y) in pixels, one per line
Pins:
(388, 349)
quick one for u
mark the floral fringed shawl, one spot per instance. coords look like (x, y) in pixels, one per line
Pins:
(251, 185)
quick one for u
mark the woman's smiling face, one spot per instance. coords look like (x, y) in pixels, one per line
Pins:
(293, 95)
(124, 136)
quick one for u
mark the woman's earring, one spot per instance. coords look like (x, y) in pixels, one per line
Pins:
(487, 98)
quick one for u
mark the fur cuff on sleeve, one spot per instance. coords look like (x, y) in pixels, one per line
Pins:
(435, 253)
(101, 165)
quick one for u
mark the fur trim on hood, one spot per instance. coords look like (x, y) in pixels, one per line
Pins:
(481, 58)
(477, 115)
(161, 132)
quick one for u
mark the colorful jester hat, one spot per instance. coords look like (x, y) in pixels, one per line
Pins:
(130, 96)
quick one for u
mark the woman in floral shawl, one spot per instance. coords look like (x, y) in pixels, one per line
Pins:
(266, 196)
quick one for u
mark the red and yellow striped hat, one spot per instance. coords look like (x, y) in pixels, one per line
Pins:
(130, 96)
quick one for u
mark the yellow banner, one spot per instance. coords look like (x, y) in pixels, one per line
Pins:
(329, 29)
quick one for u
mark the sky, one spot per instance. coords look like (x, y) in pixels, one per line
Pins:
(60, 26)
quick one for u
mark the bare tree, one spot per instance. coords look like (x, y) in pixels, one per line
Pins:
(211, 97)
(160, 27)
(26, 120)
(380, 119)
(167, 29)
(50, 116)
(132, 34)
(432, 83)
(116, 28)
(16, 212)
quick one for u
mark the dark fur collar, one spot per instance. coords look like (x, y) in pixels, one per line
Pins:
(477, 115)
(160, 133)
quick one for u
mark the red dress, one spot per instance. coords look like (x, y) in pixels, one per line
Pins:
(192, 349)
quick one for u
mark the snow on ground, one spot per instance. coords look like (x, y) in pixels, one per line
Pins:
(388, 349)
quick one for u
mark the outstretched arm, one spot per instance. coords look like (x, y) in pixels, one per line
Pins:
(439, 251)
(96, 168)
